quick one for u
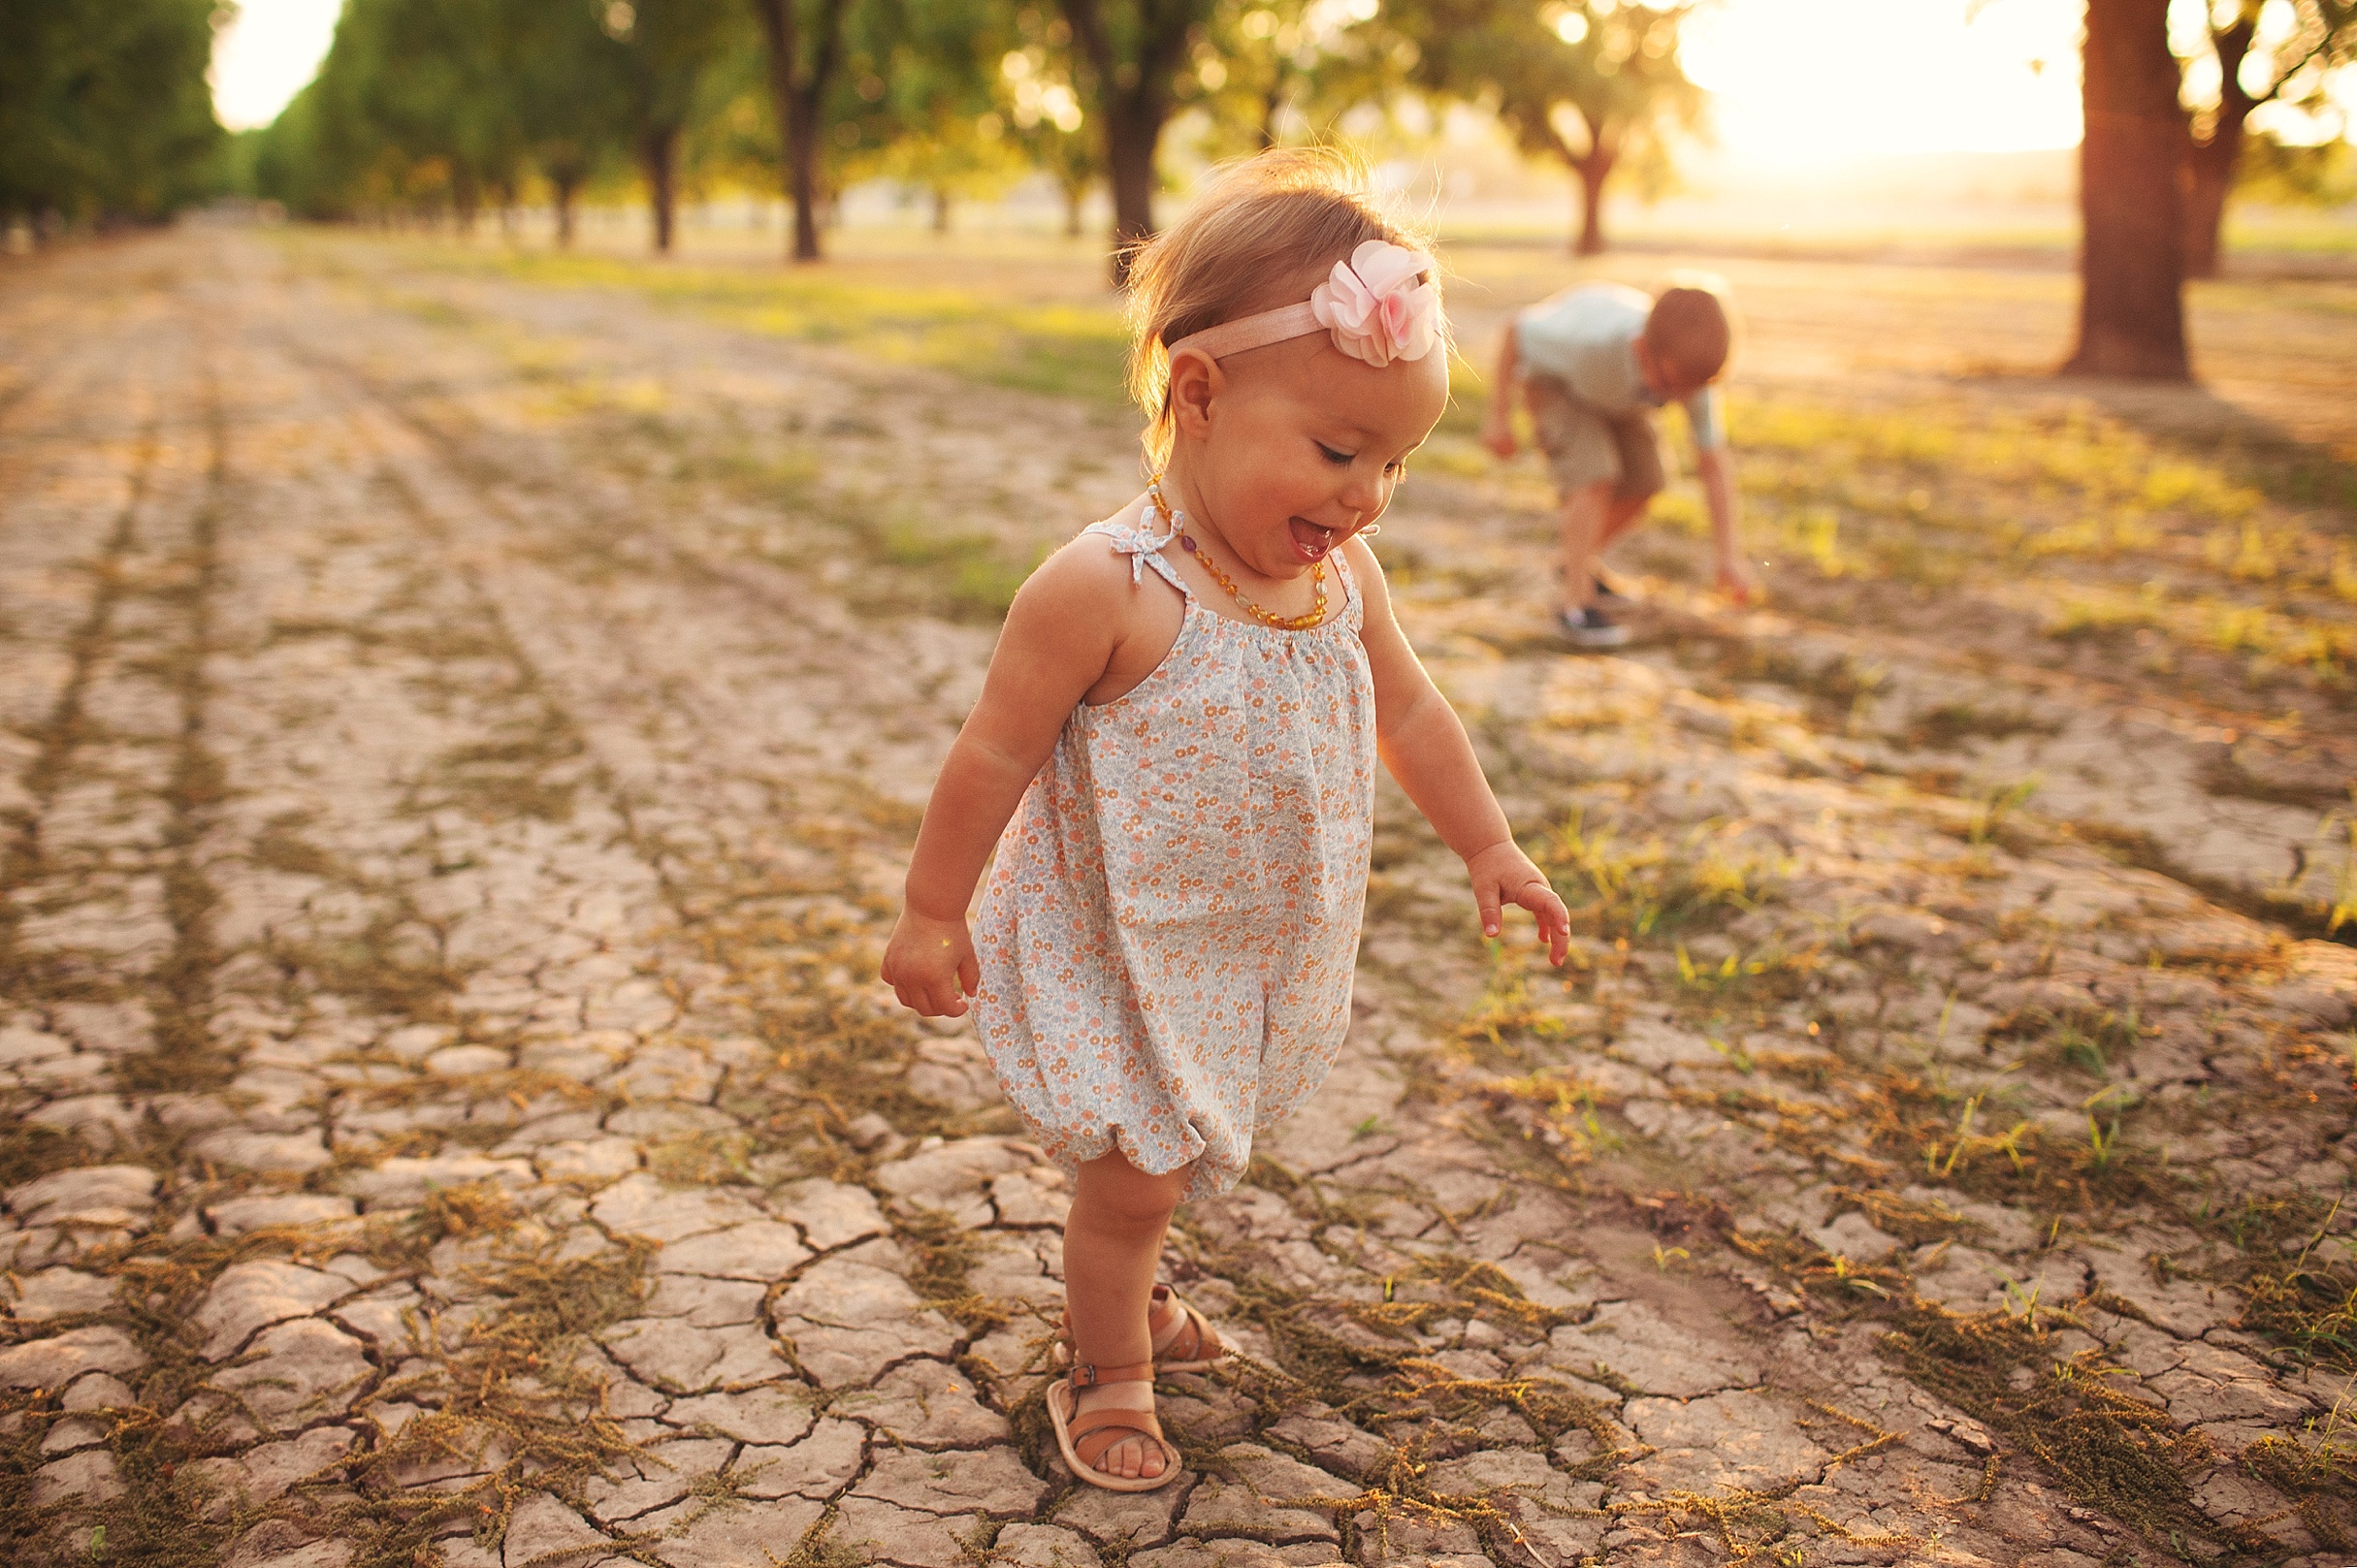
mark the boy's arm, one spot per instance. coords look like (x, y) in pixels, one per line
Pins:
(1724, 501)
(1425, 747)
(1706, 418)
(1056, 643)
(1498, 429)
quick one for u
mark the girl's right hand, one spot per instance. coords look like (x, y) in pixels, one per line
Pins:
(930, 965)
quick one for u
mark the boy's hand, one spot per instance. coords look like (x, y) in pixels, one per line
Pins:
(930, 965)
(1503, 875)
(1498, 434)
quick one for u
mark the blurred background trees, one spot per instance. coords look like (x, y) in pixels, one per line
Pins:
(432, 111)
(425, 109)
(1592, 84)
(105, 115)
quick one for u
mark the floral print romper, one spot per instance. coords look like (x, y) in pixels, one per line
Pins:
(1172, 922)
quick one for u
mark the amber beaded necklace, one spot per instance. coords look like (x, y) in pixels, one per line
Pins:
(1266, 616)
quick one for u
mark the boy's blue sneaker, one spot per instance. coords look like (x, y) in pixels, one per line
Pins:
(1590, 628)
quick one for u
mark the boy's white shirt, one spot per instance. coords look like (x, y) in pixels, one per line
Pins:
(1586, 338)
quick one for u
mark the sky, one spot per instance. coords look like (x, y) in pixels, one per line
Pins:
(1797, 84)
(266, 54)
(1802, 84)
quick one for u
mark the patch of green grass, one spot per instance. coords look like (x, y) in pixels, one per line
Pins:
(1627, 889)
(966, 575)
(1064, 349)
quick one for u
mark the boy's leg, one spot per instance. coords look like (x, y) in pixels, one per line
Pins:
(1622, 517)
(1587, 512)
(1112, 1240)
(1643, 474)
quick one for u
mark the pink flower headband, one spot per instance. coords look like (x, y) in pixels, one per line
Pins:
(1379, 305)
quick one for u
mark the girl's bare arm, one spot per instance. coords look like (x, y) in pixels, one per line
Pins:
(1424, 744)
(1057, 641)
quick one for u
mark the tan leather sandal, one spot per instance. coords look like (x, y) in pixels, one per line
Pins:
(1086, 1436)
(1183, 1338)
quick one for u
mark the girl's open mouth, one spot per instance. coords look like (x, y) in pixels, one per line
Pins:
(1310, 541)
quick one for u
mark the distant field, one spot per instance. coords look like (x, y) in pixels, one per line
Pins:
(1912, 466)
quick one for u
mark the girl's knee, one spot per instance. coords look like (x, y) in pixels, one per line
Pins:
(1113, 1191)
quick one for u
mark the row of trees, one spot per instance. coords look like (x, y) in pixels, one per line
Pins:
(104, 110)
(452, 103)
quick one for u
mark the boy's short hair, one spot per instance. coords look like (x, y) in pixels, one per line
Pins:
(1690, 331)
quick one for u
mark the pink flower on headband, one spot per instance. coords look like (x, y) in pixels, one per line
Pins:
(1380, 304)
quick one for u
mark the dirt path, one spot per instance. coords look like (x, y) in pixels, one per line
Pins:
(459, 745)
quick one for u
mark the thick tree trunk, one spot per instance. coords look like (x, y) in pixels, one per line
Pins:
(658, 156)
(802, 183)
(1593, 171)
(940, 211)
(797, 91)
(1075, 193)
(1133, 100)
(2210, 170)
(1132, 130)
(2131, 200)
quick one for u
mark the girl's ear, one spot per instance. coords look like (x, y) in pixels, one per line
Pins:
(1195, 381)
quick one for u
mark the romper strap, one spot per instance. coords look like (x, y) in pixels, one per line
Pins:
(1143, 548)
(1350, 582)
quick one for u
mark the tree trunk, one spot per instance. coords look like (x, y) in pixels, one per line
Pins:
(564, 181)
(1593, 171)
(1133, 100)
(941, 209)
(2131, 201)
(658, 154)
(797, 92)
(464, 196)
(1131, 132)
(1075, 193)
(2210, 168)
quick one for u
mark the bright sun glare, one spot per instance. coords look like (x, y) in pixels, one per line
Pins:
(1804, 84)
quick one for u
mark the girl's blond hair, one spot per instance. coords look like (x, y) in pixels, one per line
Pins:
(1265, 233)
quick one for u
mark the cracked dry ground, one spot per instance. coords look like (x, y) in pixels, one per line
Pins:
(461, 743)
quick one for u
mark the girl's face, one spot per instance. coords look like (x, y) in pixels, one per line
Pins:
(1284, 452)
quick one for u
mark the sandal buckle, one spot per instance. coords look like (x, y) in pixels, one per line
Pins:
(1083, 1374)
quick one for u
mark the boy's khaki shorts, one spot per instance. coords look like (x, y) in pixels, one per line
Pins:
(1585, 447)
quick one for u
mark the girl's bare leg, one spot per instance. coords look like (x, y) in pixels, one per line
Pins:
(1113, 1239)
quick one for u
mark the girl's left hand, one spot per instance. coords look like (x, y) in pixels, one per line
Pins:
(1503, 875)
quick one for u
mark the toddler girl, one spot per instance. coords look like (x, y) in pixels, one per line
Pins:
(1181, 718)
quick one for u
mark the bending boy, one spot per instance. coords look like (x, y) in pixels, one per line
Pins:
(1593, 364)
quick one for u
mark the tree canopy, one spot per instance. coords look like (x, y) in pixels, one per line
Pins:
(105, 113)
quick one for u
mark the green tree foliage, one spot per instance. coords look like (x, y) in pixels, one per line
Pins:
(426, 105)
(943, 119)
(1277, 70)
(432, 106)
(1593, 84)
(104, 108)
